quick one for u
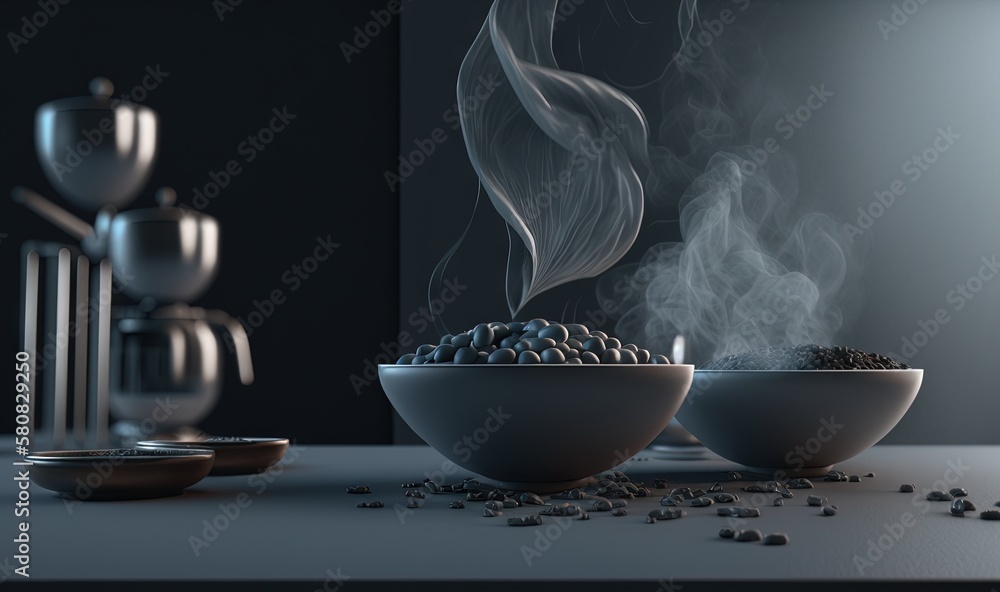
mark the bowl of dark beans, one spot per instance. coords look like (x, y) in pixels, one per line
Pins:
(797, 410)
(535, 405)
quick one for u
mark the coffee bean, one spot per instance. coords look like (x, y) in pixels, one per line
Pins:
(669, 501)
(487, 512)
(415, 493)
(959, 492)
(776, 538)
(779, 501)
(446, 339)
(658, 359)
(553, 356)
(618, 503)
(531, 520)
(990, 515)
(749, 535)
(627, 357)
(619, 512)
(611, 356)
(466, 355)
(802, 483)
(727, 533)
(444, 353)
(817, 500)
(493, 505)
(870, 475)
(701, 502)
(530, 498)
(612, 343)
(375, 504)
(359, 489)
(697, 492)
(557, 333)
(642, 356)
(802, 357)
(855, 479)
(482, 335)
(828, 511)
(476, 496)
(425, 349)
(968, 506)
(535, 324)
(958, 508)
(502, 356)
(528, 357)
(715, 487)
(907, 488)
(650, 520)
(509, 342)
(661, 514)
(601, 505)
(462, 340)
(939, 496)
(406, 359)
(725, 498)
(412, 503)
(584, 516)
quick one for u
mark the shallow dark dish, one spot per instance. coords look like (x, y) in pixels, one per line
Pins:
(119, 474)
(537, 427)
(233, 456)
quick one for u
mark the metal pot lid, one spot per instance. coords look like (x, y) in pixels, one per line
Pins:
(100, 99)
(165, 197)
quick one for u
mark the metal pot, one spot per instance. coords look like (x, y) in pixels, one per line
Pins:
(167, 253)
(167, 368)
(96, 151)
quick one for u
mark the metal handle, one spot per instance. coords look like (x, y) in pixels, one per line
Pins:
(241, 342)
(74, 226)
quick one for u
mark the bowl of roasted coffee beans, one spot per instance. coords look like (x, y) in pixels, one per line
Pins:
(797, 410)
(535, 405)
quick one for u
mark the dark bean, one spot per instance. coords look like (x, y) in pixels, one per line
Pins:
(418, 360)
(444, 353)
(727, 533)
(748, 536)
(776, 538)
(530, 498)
(959, 492)
(412, 503)
(660, 483)
(491, 513)
(612, 343)
(466, 355)
(958, 508)
(375, 504)
(611, 356)
(359, 489)
(475, 496)
(828, 511)
(557, 333)
(619, 512)
(589, 358)
(658, 359)
(701, 502)
(535, 324)
(650, 520)
(816, 500)
(574, 343)
(539, 344)
(509, 342)
(415, 493)
(870, 475)
(529, 335)
(425, 349)
(601, 505)
(627, 357)
(528, 357)
(516, 327)
(553, 356)
(600, 334)
(482, 335)
(907, 488)
(511, 503)
(661, 514)
(405, 360)
(595, 345)
(779, 501)
(715, 487)
(502, 356)
(462, 340)
(855, 479)
(802, 483)
(990, 515)
(939, 496)
(725, 498)
(446, 339)
(531, 520)
(969, 506)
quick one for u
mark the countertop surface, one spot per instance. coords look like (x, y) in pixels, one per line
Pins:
(296, 522)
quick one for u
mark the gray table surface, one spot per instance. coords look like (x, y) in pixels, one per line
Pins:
(300, 524)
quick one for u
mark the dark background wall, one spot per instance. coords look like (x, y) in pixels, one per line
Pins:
(320, 177)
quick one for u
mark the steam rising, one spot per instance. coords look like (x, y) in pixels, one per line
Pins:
(556, 151)
(755, 266)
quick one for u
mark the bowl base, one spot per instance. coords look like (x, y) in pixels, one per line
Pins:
(791, 472)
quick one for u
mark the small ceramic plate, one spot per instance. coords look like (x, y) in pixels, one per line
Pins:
(121, 473)
(233, 456)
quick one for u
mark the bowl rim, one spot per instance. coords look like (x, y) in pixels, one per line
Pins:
(803, 371)
(536, 365)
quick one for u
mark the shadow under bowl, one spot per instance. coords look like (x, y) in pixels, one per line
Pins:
(796, 422)
(540, 427)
